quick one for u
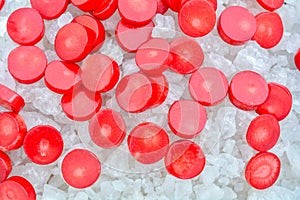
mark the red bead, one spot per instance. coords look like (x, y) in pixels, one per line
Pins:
(27, 64)
(50, 9)
(131, 37)
(43, 144)
(160, 89)
(96, 26)
(85, 5)
(17, 188)
(185, 159)
(81, 105)
(61, 77)
(197, 18)
(271, 5)
(297, 59)
(148, 143)
(213, 3)
(2, 2)
(105, 9)
(152, 56)
(12, 131)
(99, 73)
(187, 118)
(5, 166)
(269, 29)
(263, 132)
(186, 55)
(236, 25)
(10, 100)
(80, 168)
(174, 4)
(208, 86)
(248, 90)
(25, 26)
(138, 12)
(278, 103)
(76, 46)
(134, 93)
(162, 7)
(262, 170)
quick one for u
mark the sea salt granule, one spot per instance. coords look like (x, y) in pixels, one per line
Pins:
(52, 193)
(164, 26)
(112, 49)
(208, 191)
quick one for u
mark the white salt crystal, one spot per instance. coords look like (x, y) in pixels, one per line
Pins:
(224, 181)
(51, 55)
(51, 31)
(129, 67)
(173, 77)
(119, 185)
(209, 174)
(175, 92)
(211, 191)
(228, 146)
(34, 118)
(5, 77)
(293, 154)
(113, 50)
(220, 62)
(110, 23)
(274, 192)
(3, 22)
(246, 151)
(64, 19)
(169, 186)
(81, 196)
(183, 189)
(164, 26)
(226, 121)
(52, 193)
(229, 194)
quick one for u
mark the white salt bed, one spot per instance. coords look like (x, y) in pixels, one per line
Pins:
(223, 138)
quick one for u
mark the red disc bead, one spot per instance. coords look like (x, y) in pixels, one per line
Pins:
(248, 90)
(2, 2)
(134, 93)
(297, 59)
(271, 5)
(81, 105)
(160, 89)
(12, 131)
(152, 56)
(61, 77)
(185, 159)
(187, 118)
(131, 37)
(25, 26)
(186, 55)
(196, 18)
(76, 46)
(162, 7)
(278, 103)
(262, 170)
(27, 64)
(105, 9)
(85, 5)
(80, 168)
(213, 3)
(43, 144)
(138, 12)
(50, 9)
(17, 188)
(107, 128)
(5, 166)
(236, 25)
(10, 100)
(208, 86)
(148, 143)
(99, 73)
(96, 26)
(269, 29)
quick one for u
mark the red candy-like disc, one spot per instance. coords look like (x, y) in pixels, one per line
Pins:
(185, 159)
(208, 86)
(2, 2)
(5, 166)
(213, 3)
(80, 168)
(82, 104)
(162, 7)
(263, 132)
(152, 56)
(27, 64)
(297, 59)
(269, 29)
(134, 93)
(138, 12)
(17, 188)
(43, 144)
(160, 89)
(105, 9)
(278, 103)
(9, 99)
(248, 90)
(262, 170)
(197, 18)
(186, 55)
(236, 25)
(12, 131)
(271, 5)
(187, 118)
(25, 26)
(61, 77)
(50, 9)
(99, 73)
(85, 5)
(107, 129)
(131, 37)
(76, 46)
(148, 143)
(96, 26)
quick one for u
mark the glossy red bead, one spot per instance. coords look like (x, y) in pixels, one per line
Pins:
(297, 59)
(25, 26)
(271, 5)
(213, 3)
(2, 2)
(10, 100)
(50, 9)
(5, 166)
(85, 5)
(105, 9)
(162, 7)
(160, 89)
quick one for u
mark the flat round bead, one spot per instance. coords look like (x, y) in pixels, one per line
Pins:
(5, 166)
(50, 9)
(10, 100)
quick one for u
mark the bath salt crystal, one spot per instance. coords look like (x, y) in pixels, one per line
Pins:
(229, 194)
(34, 118)
(51, 55)
(173, 77)
(81, 196)
(246, 152)
(129, 67)
(183, 189)
(110, 23)
(274, 192)
(119, 185)
(52, 29)
(226, 121)
(156, 197)
(210, 174)
(228, 146)
(113, 50)
(164, 26)
(169, 186)
(53, 193)
(64, 19)
(3, 22)
(175, 92)
(5, 78)
(224, 181)
(293, 155)
(208, 191)
(221, 63)
(56, 181)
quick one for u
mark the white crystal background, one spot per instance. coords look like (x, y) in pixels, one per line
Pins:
(223, 139)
